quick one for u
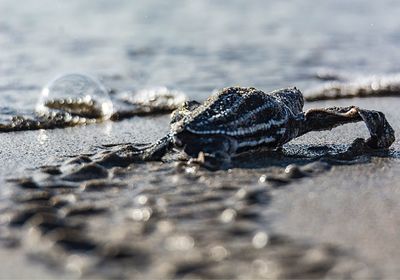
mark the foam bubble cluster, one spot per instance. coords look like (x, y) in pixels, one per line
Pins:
(75, 94)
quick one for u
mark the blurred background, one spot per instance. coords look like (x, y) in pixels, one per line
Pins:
(194, 46)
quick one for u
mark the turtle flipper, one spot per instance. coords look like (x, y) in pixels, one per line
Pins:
(157, 150)
(382, 134)
(123, 156)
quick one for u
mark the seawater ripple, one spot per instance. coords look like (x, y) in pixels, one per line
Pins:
(64, 112)
(67, 112)
(372, 86)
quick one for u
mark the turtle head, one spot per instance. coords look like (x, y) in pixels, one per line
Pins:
(291, 97)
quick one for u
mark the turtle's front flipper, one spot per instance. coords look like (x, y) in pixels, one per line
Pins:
(157, 150)
(382, 134)
(139, 153)
(211, 152)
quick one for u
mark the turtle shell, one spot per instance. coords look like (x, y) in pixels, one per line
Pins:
(251, 116)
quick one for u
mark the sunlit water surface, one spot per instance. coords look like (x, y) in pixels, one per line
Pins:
(192, 46)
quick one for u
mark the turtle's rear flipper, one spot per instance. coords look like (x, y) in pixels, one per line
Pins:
(382, 134)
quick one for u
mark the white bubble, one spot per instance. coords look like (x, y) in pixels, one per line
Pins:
(77, 94)
(156, 97)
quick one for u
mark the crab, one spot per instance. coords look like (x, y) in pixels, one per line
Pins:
(240, 119)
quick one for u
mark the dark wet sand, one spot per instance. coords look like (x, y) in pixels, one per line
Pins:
(354, 206)
(31, 149)
(159, 220)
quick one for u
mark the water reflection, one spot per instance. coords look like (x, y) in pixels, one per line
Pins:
(42, 136)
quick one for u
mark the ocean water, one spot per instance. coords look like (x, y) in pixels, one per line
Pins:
(193, 46)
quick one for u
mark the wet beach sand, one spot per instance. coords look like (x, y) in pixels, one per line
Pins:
(315, 218)
(301, 213)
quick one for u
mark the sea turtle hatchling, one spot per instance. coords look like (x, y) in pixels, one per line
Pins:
(239, 119)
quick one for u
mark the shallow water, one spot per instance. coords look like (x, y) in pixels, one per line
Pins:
(196, 47)
(193, 46)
